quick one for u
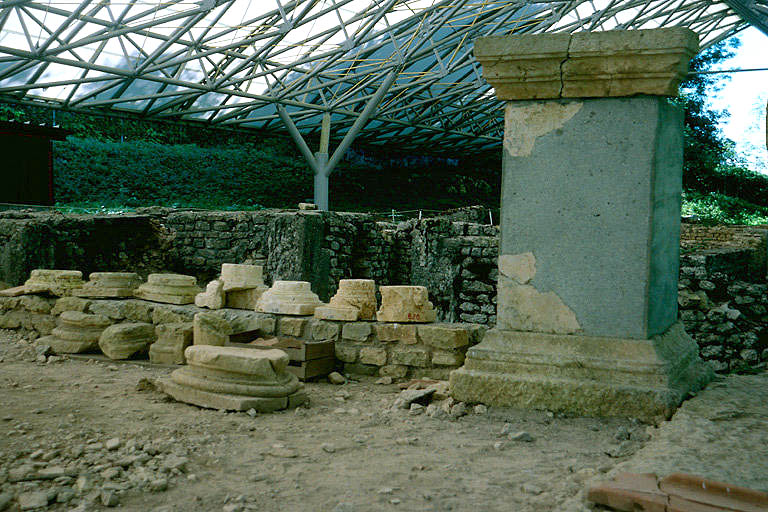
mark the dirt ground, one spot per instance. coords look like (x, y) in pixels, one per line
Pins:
(101, 437)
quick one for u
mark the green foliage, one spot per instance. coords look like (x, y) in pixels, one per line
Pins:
(90, 172)
(716, 208)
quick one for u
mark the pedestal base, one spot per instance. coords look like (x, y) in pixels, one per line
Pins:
(582, 375)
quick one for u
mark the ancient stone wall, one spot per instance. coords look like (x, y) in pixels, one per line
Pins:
(453, 257)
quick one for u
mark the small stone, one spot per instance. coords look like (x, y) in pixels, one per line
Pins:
(32, 500)
(458, 410)
(328, 448)
(109, 498)
(158, 485)
(435, 411)
(625, 449)
(395, 501)
(252, 412)
(498, 446)
(336, 378)
(113, 444)
(63, 496)
(521, 437)
(385, 381)
(386, 490)
(480, 409)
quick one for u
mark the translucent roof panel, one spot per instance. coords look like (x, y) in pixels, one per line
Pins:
(233, 62)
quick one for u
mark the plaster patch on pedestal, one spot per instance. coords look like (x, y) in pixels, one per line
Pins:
(522, 307)
(524, 123)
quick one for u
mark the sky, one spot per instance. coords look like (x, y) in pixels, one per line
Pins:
(744, 98)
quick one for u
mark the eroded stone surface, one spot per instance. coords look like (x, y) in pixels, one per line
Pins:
(169, 289)
(358, 294)
(245, 299)
(76, 332)
(212, 297)
(598, 376)
(122, 341)
(587, 64)
(235, 379)
(405, 304)
(241, 277)
(211, 329)
(61, 283)
(172, 341)
(110, 284)
(289, 298)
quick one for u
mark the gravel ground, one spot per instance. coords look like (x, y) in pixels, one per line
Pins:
(85, 435)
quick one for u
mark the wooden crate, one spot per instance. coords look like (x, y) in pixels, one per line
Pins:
(308, 359)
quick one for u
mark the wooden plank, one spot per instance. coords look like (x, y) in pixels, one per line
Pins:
(309, 369)
(297, 350)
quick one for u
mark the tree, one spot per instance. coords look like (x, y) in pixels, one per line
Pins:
(707, 150)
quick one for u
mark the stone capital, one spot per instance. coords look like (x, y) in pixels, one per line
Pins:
(587, 64)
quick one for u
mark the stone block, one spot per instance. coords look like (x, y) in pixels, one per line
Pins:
(337, 313)
(122, 341)
(408, 304)
(242, 277)
(139, 311)
(60, 283)
(356, 331)
(244, 299)
(36, 304)
(289, 298)
(172, 340)
(110, 284)
(584, 375)
(445, 358)
(241, 321)
(586, 64)
(13, 292)
(346, 353)
(395, 371)
(360, 369)
(212, 297)
(373, 355)
(412, 357)
(70, 304)
(76, 332)
(293, 326)
(210, 329)
(110, 308)
(445, 336)
(169, 289)
(167, 314)
(324, 331)
(396, 332)
(356, 293)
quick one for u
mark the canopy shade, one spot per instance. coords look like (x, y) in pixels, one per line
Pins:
(236, 63)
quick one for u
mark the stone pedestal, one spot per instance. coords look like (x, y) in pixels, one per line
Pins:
(289, 298)
(172, 340)
(212, 297)
(236, 379)
(590, 227)
(76, 332)
(407, 304)
(169, 289)
(61, 283)
(355, 299)
(110, 285)
(122, 341)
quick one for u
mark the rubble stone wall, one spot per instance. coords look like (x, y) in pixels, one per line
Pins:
(453, 256)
